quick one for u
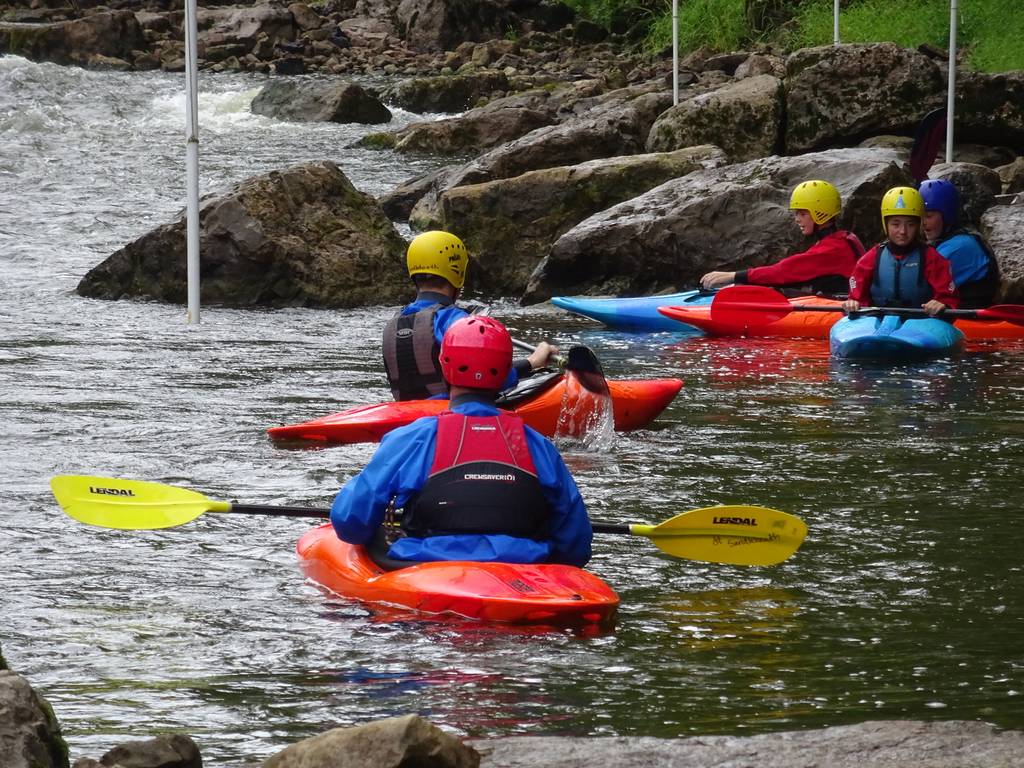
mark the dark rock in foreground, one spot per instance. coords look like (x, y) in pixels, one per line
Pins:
(30, 735)
(174, 751)
(303, 236)
(397, 742)
(883, 744)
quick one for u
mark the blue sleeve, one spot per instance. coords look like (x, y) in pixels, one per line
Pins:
(443, 320)
(967, 259)
(398, 468)
(571, 533)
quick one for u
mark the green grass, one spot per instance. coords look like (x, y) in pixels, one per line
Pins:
(990, 32)
(719, 24)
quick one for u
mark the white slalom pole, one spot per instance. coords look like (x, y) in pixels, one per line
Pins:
(675, 52)
(951, 92)
(192, 158)
(835, 23)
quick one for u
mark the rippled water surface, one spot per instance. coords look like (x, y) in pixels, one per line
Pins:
(905, 602)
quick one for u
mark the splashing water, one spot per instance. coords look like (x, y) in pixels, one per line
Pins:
(586, 416)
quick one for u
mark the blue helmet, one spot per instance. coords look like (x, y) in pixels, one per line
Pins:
(940, 195)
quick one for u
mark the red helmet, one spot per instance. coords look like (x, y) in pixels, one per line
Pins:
(477, 353)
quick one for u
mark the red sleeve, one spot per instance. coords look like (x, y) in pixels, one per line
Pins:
(832, 255)
(940, 278)
(863, 274)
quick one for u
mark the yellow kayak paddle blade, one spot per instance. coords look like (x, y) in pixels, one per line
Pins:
(734, 535)
(129, 504)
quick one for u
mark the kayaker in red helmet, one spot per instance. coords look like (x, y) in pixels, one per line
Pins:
(903, 271)
(825, 267)
(437, 263)
(473, 483)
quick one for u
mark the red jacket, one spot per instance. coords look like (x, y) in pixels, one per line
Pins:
(834, 254)
(936, 272)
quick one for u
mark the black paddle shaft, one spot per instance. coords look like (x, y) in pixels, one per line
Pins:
(323, 512)
(260, 509)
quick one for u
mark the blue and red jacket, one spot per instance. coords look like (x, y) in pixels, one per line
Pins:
(401, 468)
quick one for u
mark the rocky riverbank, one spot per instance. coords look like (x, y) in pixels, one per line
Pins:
(572, 169)
(30, 737)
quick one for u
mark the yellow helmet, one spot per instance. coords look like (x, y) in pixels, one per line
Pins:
(438, 253)
(819, 198)
(902, 201)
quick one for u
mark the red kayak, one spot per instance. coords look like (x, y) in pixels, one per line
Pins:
(812, 325)
(548, 594)
(635, 404)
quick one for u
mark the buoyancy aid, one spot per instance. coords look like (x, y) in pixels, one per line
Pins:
(979, 293)
(412, 355)
(482, 481)
(900, 282)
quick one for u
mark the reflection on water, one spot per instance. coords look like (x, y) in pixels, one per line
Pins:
(904, 602)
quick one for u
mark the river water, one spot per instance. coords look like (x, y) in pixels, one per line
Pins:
(906, 601)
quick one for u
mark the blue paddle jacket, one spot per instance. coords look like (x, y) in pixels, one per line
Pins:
(445, 316)
(399, 469)
(967, 259)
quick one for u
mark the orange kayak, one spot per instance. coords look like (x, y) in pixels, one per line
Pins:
(814, 325)
(635, 405)
(500, 592)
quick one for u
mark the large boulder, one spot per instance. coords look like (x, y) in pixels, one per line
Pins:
(618, 131)
(742, 117)
(319, 101)
(474, 132)
(397, 742)
(1003, 228)
(977, 185)
(399, 202)
(726, 218)
(303, 236)
(510, 224)
(244, 26)
(990, 108)
(845, 93)
(94, 39)
(452, 93)
(173, 751)
(440, 25)
(30, 735)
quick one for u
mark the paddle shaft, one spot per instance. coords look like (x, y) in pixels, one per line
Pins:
(272, 511)
(526, 347)
(323, 512)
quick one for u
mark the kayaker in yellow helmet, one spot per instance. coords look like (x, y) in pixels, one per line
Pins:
(473, 483)
(437, 262)
(903, 271)
(825, 267)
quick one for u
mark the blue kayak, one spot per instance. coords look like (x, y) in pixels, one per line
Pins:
(639, 314)
(890, 337)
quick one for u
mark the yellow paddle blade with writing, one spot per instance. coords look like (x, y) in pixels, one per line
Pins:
(129, 504)
(735, 535)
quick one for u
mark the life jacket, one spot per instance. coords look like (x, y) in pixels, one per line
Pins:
(978, 293)
(412, 355)
(482, 481)
(900, 282)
